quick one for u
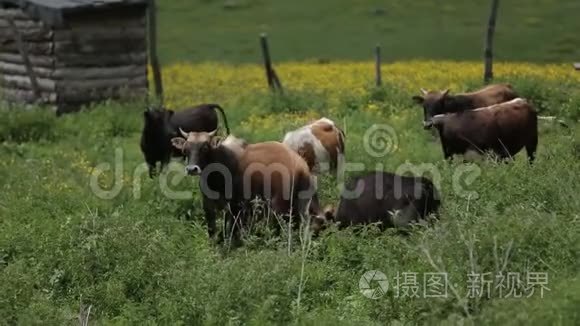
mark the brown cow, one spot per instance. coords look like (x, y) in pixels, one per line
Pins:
(320, 143)
(503, 129)
(435, 102)
(234, 173)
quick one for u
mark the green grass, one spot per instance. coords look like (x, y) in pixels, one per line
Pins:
(148, 260)
(527, 30)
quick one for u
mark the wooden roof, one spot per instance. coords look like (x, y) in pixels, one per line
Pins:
(52, 11)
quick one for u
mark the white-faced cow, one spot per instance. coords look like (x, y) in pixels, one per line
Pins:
(385, 198)
(503, 129)
(233, 173)
(320, 143)
(162, 125)
(435, 102)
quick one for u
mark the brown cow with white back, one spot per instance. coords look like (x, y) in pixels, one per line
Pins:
(320, 143)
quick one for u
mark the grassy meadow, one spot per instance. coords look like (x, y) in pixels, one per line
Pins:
(139, 257)
(85, 235)
(322, 30)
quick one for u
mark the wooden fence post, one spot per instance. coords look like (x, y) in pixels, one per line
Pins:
(378, 78)
(488, 52)
(152, 31)
(271, 76)
(276, 80)
(267, 60)
(24, 53)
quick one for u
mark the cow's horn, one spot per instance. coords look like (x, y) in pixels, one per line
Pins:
(183, 133)
(424, 91)
(211, 134)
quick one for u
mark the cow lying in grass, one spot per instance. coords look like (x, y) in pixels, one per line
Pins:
(233, 173)
(381, 197)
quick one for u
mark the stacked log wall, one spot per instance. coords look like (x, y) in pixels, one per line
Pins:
(93, 57)
(101, 55)
(15, 83)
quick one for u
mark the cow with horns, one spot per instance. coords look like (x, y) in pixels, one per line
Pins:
(503, 129)
(442, 102)
(233, 173)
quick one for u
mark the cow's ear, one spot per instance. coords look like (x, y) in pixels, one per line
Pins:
(170, 113)
(215, 142)
(418, 99)
(178, 143)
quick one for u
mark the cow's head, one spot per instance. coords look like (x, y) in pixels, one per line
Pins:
(157, 120)
(433, 103)
(321, 220)
(196, 147)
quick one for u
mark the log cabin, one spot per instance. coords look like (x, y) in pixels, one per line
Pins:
(68, 53)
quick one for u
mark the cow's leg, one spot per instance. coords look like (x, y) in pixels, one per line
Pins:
(306, 198)
(531, 147)
(234, 217)
(152, 170)
(314, 208)
(446, 152)
(164, 163)
(210, 213)
(447, 155)
(282, 208)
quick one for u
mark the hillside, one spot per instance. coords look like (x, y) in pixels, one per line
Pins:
(227, 30)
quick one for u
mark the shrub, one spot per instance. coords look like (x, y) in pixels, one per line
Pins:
(26, 125)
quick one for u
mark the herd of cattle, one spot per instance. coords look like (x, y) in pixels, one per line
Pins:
(232, 172)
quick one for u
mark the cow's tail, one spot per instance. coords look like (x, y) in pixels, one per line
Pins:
(224, 118)
(554, 119)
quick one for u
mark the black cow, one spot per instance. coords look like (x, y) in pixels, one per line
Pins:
(163, 125)
(382, 197)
